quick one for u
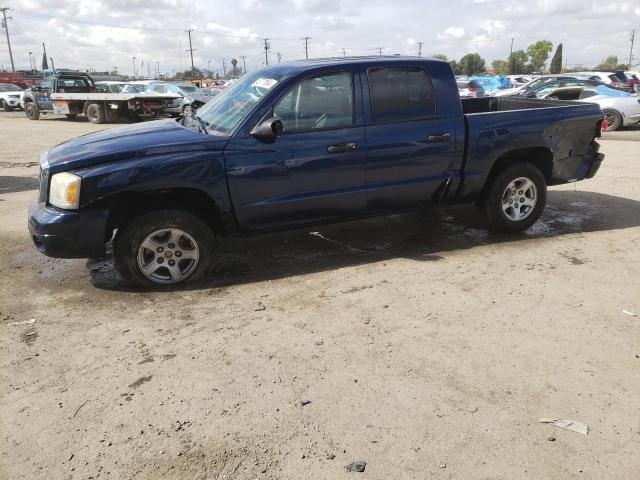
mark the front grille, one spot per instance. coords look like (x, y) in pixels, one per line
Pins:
(44, 185)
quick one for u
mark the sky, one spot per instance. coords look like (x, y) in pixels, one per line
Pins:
(103, 34)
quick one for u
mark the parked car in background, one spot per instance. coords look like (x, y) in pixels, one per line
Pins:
(619, 111)
(613, 78)
(296, 144)
(470, 89)
(10, 96)
(519, 80)
(188, 97)
(118, 87)
(634, 80)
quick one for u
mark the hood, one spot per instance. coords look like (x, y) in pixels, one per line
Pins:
(144, 139)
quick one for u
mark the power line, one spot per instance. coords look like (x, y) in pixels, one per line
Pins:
(5, 24)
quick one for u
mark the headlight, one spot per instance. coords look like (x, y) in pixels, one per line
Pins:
(64, 191)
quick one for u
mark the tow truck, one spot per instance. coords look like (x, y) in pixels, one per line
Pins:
(73, 93)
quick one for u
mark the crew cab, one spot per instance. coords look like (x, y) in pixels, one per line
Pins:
(299, 144)
(74, 93)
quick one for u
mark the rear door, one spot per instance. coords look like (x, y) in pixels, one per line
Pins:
(411, 136)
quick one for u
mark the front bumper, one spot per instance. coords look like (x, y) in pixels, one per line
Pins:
(13, 102)
(68, 234)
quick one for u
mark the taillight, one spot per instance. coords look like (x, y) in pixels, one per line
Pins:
(603, 126)
(472, 89)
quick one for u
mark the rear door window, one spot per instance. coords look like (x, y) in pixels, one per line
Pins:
(400, 94)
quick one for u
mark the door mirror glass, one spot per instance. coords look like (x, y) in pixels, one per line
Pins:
(268, 129)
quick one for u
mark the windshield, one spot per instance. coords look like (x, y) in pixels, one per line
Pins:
(188, 89)
(225, 111)
(124, 88)
(9, 88)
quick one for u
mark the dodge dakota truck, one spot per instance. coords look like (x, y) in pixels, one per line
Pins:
(305, 143)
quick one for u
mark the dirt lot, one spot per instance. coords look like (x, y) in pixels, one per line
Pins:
(427, 348)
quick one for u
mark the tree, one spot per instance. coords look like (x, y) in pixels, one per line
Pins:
(455, 67)
(235, 71)
(556, 61)
(499, 67)
(471, 64)
(608, 63)
(517, 63)
(440, 56)
(538, 53)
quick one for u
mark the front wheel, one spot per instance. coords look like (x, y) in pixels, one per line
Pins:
(187, 111)
(164, 247)
(31, 111)
(516, 199)
(5, 106)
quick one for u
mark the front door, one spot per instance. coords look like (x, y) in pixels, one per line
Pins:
(410, 144)
(315, 170)
(43, 94)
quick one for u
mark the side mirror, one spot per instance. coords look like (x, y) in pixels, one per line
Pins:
(268, 130)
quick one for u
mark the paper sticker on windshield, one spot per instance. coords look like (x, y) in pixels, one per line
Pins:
(264, 83)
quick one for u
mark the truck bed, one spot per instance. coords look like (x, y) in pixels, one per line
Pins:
(106, 97)
(472, 106)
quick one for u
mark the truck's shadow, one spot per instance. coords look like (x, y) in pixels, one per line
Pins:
(12, 184)
(421, 236)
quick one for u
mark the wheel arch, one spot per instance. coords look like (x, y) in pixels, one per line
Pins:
(124, 207)
(540, 157)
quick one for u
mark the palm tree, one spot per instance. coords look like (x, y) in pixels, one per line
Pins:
(234, 62)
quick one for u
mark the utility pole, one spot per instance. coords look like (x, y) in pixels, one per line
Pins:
(633, 36)
(420, 48)
(380, 50)
(5, 24)
(180, 52)
(193, 69)
(158, 68)
(279, 57)
(224, 68)
(344, 52)
(267, 46)
(30, 61)
(244, 63)
(512, 62)
(134, 68)
(306, 46)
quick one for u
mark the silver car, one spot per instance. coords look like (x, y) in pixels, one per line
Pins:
(190, 97)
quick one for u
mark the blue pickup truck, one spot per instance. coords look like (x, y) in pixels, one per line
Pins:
(300, 144)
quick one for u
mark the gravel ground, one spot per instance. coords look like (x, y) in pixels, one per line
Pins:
(417, 343)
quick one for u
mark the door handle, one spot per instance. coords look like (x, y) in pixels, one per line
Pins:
(443, 137)
(342, 148)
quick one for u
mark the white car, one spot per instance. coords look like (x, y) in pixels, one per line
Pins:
(613, 79)
(618, 111)
(9, 96)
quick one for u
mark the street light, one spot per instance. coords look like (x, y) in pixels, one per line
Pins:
(30, 60)
(209, 67)
(134, 68)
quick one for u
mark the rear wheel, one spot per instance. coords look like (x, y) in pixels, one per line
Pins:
(31, 111)
(164, 247)
(95, 113)
(5, 106)
(516, 198)
(613, 119)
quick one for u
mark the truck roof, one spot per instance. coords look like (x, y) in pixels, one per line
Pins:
(300, 65)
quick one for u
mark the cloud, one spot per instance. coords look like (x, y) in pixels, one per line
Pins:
(101, 34)
(452, 32)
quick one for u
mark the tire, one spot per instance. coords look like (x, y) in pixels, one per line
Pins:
(71, 116)
(187, 111)
(5, 106)
(522, 184)
(31, 111)
(95, 113)
(195, 247)
(613, 119)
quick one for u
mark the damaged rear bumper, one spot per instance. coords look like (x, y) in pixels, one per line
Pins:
(578, 167)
